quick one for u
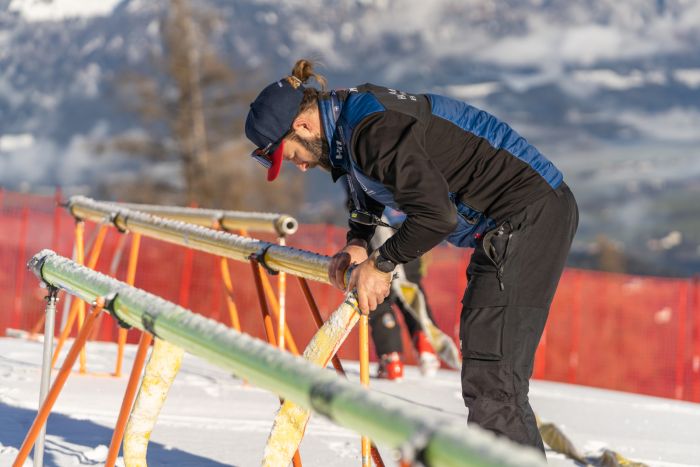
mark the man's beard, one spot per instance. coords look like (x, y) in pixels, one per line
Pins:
(318, 148)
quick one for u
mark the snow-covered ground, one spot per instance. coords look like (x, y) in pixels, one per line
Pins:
(212, 418)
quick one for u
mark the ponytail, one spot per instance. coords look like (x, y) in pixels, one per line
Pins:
(301, 73)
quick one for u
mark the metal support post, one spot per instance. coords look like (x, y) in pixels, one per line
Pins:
(45, 408)
(49, 322)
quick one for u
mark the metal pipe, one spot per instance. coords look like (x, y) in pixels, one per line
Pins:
(45, 408)
(128, 399)
(50, 314)
(389, 420)
(280, 258)
(281, 224)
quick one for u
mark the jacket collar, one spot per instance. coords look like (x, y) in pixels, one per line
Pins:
(330, 107)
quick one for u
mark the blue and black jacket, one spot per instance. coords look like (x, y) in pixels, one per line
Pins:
(456, 171)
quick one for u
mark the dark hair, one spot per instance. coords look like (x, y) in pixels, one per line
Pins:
(301, 73)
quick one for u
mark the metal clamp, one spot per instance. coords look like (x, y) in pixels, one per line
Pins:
(259, 257)
(149, 322)
(413, 450)
(113, 216)
(109, 306)
(51, 293)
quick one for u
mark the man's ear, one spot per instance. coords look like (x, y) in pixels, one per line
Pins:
(302, 126)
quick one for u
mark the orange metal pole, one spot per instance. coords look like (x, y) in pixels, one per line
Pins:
(80, 259)
(317, 317)
(45, 409)
(66, 329)
(230, 302)
(97, 247)
(267, 320)
(364, 379)
(77, 304)
(128, 400)
(130, 279)
(274, 305)
(113, 266)
(288, 338)
(91, 263)
(269, 329)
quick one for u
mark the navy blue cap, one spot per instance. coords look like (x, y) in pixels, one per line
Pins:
(272, 113)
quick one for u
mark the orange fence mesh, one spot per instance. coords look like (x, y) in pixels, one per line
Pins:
(615, 331)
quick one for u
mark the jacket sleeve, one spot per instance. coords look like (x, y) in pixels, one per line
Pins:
(388, 148)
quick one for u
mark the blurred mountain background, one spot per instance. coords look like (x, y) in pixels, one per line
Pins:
(144, 100)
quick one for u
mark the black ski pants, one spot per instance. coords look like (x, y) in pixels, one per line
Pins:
(512, 277)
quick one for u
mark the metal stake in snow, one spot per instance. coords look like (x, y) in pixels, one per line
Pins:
(435, 439)
(51, 299)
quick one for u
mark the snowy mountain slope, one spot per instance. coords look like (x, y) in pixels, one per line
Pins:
(627, 63)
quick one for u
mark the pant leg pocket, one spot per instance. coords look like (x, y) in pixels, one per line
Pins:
(481, 331)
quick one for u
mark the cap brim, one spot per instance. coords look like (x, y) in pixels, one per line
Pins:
(274, 170)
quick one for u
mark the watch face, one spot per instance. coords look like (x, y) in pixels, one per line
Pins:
(384, 264)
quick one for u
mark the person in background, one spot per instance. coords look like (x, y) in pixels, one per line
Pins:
(386, 332)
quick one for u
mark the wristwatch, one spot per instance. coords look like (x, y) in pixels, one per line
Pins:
(383, 264)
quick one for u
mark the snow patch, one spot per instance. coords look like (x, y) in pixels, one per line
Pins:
(58, 10)
(677, 124)
(688, 76)
(610, 79)
(8, 455)
(583, 44)
(99, 454)
(473, 91)
(344, 449)
(15, 142)
(208, 385)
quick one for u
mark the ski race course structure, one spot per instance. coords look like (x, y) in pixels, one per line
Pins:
(302, 382)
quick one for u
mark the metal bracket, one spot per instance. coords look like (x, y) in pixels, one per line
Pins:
(113, 220)
(259, 257)
(109, 306)
(413, 450)
(51, 292)
(148, 322)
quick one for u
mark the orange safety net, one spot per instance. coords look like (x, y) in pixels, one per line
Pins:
(616, 331)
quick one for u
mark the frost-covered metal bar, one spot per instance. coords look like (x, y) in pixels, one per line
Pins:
(281, 224)
(280, 258)
(391, 421)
